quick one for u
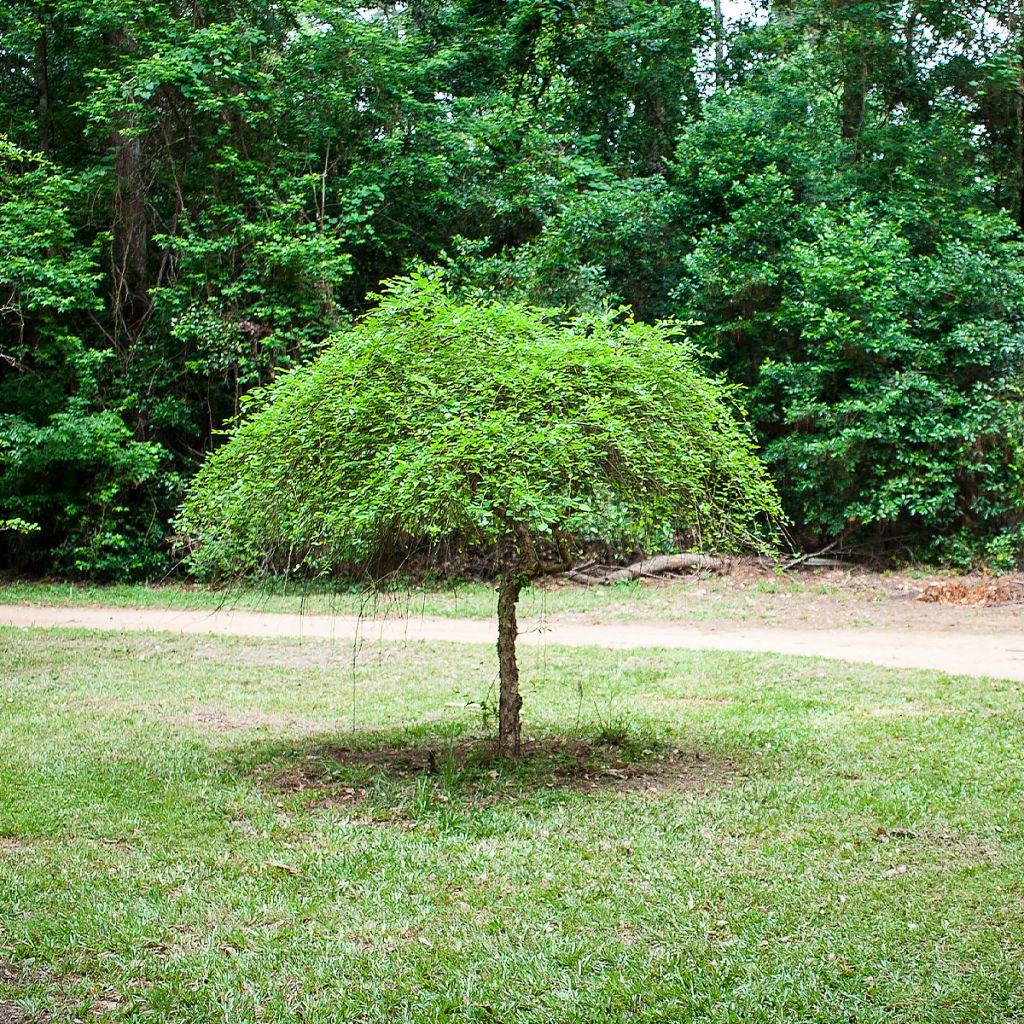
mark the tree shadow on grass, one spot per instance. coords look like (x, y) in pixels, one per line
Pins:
(388, 770)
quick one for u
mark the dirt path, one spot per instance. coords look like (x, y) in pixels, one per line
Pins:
(998, 653)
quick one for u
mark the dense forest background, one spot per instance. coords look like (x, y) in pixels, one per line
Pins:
(194, 195)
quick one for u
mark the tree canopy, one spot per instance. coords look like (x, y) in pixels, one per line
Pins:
(437, 416)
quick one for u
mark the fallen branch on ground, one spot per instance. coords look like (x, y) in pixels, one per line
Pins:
(815, 558)
(658, 566)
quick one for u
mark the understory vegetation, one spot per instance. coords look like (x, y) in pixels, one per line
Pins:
(195, 829)
(195, 196)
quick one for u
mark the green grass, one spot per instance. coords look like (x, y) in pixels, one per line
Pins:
(698, 600)
(757, 839)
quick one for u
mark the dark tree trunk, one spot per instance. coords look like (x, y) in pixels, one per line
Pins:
(130, 235)
(509, 701)
(130, 256)
(42, 72)
(1018, 31)
(855, 87)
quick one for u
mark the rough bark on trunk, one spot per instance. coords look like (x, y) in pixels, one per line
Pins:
(855, 86)
(531, 566)
(130, 239)
(130, 235)
(509, 700)
(1017, 29)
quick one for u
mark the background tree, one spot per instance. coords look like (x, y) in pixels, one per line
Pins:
(437, 417)
(230, 181)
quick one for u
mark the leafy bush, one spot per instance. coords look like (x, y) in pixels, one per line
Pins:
(94, 496)
(436, 416)
(877, 318)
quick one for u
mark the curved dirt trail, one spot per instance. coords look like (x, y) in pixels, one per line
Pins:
(999, 653)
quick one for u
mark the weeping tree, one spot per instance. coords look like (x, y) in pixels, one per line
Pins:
(499, 423)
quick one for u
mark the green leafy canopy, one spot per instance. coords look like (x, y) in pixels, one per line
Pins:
(436, 416)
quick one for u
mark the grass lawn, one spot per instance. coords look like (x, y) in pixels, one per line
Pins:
(197, 829)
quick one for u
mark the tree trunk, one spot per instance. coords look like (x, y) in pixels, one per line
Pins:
(129, 228)
(531, 566)
(855, 87)
(1017, 29)
(509, 701)
(42, 65)
(130, 236)
(719, 46)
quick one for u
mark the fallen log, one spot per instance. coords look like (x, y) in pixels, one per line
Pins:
(648, 567)
(815, 558)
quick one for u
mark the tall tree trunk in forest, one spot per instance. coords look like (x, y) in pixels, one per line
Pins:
(42, 76)
(719, 46)
(855, 88)
(130, 236)
(1015, 24)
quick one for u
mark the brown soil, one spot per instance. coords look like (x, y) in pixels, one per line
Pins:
(829, 599)
(222, 720)
(61, 1004)
(552, 763)
(11, 1013)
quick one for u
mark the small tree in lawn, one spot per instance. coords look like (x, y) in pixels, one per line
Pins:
(437, 416)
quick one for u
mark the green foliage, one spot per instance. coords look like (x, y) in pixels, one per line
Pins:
(437, 417)
(880, 332)
(910, 414)
(610, 244)
(78, 493)
(42, 269)
(195, 197)
(97, 490)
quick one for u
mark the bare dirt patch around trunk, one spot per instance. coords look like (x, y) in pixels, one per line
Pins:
(336, 776)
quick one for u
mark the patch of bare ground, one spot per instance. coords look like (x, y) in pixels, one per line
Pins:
(968, 847)
(226, 720)
(687, 700)
(473, 767)
(11, 1013)
(834, 597)
(675, 771)
(906, 709)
